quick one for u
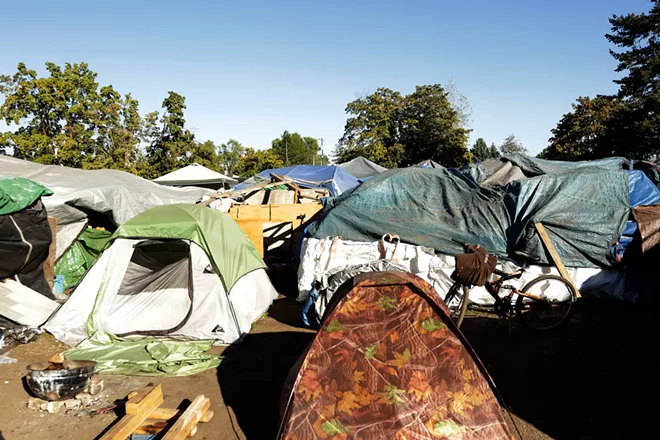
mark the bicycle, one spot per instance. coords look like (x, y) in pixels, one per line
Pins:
(545, 309)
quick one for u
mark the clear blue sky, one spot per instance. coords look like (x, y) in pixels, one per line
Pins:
(252, 69)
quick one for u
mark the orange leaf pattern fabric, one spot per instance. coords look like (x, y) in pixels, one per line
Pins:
(397, 371)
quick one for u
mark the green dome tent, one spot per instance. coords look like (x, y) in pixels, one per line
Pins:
(178, 271)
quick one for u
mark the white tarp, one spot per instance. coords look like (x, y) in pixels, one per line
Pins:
(117, 195)
(161, 299)
(23, 305)
(194, 174)
(322, 258)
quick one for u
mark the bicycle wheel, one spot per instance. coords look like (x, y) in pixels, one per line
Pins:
(554, 307)
(457, 303)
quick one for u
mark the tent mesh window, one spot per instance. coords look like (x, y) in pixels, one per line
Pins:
(158, 269)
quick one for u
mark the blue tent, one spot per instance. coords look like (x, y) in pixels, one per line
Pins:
(333, 178)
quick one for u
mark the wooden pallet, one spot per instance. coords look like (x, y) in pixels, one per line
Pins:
(145, 416)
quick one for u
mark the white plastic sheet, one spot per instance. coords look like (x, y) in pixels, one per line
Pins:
(319, 258)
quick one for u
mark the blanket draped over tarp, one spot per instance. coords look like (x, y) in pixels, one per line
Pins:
(584, 207)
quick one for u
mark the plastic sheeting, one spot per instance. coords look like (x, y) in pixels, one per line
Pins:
(17, 193)
(320, 260)
(80, 257)
(643, 191)
(114, 194)
(147, 357)
(362, 168)
(23, 305)
(583, 212)
(333, 178)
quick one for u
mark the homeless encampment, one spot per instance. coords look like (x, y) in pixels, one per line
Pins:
(585, 207)
(25, 235)
(176, 271)
(100, 197)
(389, 364)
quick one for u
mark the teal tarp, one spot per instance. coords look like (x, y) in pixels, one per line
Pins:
(583, 209)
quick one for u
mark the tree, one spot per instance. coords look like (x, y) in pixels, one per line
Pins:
(255, 161)
(393, 130)
(431, 128)
(230, 156)
(638, 35)
(512, 145)
(373, 130)
(494, 152)
(586, 133)
(480, 150)
(293, 149)
(205, 154)
(54, 115)
(172, 145)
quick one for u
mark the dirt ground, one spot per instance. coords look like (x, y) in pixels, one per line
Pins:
(593, 379)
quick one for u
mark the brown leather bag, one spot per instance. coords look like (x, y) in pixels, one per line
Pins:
(473, 268)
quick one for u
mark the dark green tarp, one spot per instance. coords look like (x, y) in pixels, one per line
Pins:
(583, 210)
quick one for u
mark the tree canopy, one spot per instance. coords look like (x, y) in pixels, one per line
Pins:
(293, 149)
(628, 123)
(394, 130)
(511, 145)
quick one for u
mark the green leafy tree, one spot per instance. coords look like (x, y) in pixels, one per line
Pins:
(587, 132)
(392, 130)
(494, 153)
(638, 120)
(230, 156)
(205, 154)
(431, 128)
(54, 115)
(373, 129)
(293, 149)
(255, 161)
(511, 145)
(480, 150)
(170, 147)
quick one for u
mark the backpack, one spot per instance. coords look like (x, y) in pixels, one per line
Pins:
(474, 267)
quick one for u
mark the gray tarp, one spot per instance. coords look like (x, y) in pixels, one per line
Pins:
(117, 195)
(362, 168)
(584, 209)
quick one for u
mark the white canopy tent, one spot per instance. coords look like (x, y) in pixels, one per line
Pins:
(195, 175)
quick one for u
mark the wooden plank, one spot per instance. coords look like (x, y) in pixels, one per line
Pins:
(547, 242)
(160, 419)
(188, 420)
(130, 422)
(143, 398)
(290, 213)
(248, 190)
(49, 264)
(170, 413)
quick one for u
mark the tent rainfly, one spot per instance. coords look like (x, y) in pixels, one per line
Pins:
(195, 175)
(182, 271)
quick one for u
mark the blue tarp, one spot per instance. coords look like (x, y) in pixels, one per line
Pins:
(333, 178)
(643, 191)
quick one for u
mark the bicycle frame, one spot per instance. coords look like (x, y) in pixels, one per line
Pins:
(493, 288)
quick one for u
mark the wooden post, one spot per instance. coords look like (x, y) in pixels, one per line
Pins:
(187, 423)
(555, 256)
(49, 264)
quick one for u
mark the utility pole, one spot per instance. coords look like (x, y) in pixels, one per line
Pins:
(320, 139)
(286, 150)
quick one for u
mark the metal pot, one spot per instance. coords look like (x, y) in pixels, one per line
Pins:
(59, 381)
